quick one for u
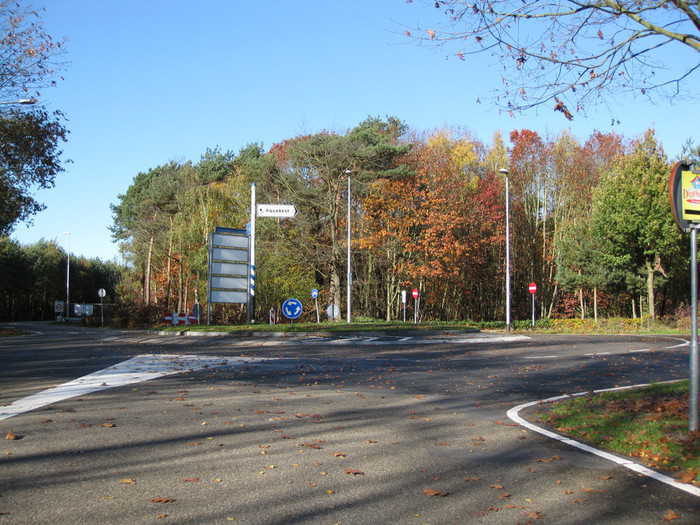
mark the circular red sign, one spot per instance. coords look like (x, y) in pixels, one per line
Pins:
(532, 288)
(415, 293)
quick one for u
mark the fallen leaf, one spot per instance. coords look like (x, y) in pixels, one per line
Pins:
(108, 425)
(330, 492)
(340, 455)
(496, 486)
(472, 478)
(190, 480)
(354, 472)
(535, 515)
(670, 515)
(161, 516)
(127, 481)
(162, 500)
(433, 492)
(605, 478)
(11, 436)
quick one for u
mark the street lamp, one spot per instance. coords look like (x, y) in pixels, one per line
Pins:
(21, 102)
(68, 277)
(504, 172)
(349, 275)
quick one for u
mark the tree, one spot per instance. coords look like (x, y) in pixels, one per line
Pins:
(313, 172)
(574, 52)
(29, 138)
(631, 221)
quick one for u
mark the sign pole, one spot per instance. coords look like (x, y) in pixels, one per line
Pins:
(349, 276)
(318, 316)
(693, 405)
(533, 310)
(251, 276)
(403, 300)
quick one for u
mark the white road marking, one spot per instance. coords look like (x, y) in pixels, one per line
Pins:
(405, 339)
(640, 350)
(135, 370)
(598, 353)
(684, 343)
(514, 415)
(541, 356)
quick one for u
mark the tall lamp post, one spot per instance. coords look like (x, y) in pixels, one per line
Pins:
(504, 172)
(349, 275)
(20, 102)
(68, 277)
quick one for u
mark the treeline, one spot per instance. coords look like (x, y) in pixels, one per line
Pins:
(34, 276)
(590, 224)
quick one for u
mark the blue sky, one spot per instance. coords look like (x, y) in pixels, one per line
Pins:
(149, 82)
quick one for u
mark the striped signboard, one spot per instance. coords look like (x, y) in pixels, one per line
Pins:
(228, 266)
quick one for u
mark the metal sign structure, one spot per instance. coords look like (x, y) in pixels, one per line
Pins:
(227, 281)
(532, 288)
(314, 296)
(292, 308)
(684, 194)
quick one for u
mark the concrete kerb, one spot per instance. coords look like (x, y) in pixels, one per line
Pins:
(514, 415)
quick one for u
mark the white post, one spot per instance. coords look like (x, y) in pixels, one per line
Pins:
(68, 277)
(349, 275)
(251, 276)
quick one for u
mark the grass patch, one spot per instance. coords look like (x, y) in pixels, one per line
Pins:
(11, 332)
(363, 326)
(649, 424)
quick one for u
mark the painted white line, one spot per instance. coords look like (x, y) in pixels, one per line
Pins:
(640, 350)
(598, 353)
(541, 357)
(514, 415)
(684, 343)
(370, 339)
(135, 370)
(405, 339)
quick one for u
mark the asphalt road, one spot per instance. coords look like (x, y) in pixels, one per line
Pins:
(328, 430)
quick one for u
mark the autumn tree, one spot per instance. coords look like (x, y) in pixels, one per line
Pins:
(30, 137)
(572, 53)
(313, 172)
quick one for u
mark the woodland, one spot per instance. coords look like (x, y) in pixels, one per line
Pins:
(590, 223)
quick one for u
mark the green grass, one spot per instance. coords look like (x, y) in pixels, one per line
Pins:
(649, 424)
(360, 326)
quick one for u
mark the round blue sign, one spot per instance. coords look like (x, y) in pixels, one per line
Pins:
(292, 308)
(314, 293)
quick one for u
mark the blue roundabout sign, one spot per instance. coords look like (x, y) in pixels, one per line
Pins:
(292, 308)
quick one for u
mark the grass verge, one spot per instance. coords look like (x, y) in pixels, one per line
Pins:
(331, 327)
(11, 332)
(649, 424)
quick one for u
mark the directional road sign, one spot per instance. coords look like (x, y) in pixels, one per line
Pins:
(276, 210)
(314, 293)
(292, 308)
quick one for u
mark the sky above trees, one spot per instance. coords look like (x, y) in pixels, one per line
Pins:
(149, 83)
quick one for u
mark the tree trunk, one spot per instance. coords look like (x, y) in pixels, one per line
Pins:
(582, 304)
(634, 308)
(650, 291)
(595, 303)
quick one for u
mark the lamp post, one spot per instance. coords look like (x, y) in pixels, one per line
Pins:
(20, 102)
(349, 275)
(68, 277)
(504, 172)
